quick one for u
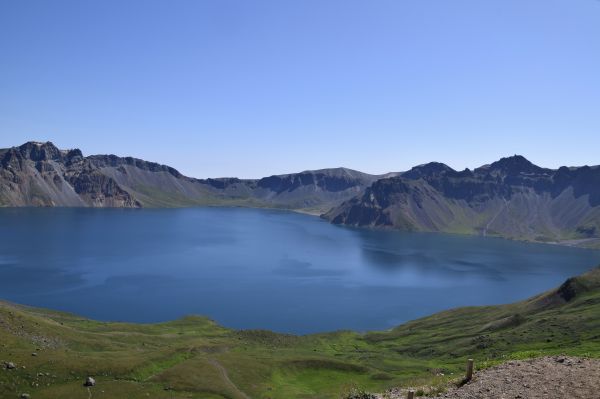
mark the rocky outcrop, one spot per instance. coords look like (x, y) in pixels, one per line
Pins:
(333, 180)
(39, 174)
(114, 161)
(98, 189)
(510, 198)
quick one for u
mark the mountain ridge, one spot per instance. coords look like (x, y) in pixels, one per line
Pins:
(510, 198)
(39, 174)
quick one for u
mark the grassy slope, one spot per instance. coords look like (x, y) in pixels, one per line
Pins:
(199, 359)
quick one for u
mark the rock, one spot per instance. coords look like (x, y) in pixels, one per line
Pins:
(90, 382)
(25, 396)
(10, 366)
(34, 354)
(431, 186)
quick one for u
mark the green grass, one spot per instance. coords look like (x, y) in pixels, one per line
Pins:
(196, 358)
(153, 197)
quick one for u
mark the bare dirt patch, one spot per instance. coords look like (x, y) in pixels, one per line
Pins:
(555, 377)
(546, 377)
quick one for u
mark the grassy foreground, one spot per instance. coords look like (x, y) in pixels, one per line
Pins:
(195, 358)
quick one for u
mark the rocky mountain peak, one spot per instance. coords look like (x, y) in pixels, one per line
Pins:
(38, 151)
(513, 165)
(428, 170)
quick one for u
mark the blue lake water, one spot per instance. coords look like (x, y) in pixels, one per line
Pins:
(248, 268)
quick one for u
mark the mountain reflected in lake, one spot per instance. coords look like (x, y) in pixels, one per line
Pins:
(249, 268)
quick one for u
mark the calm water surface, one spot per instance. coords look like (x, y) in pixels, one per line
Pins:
(250, 268)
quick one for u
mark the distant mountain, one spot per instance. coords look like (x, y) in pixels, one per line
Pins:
(39, 174)
(510, 198)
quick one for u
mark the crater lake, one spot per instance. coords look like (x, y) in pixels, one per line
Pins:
(261, 269)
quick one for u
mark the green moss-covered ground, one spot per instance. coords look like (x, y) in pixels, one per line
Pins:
(196, 358)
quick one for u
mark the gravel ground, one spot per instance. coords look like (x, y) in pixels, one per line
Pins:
(547, 377)
(542, 378)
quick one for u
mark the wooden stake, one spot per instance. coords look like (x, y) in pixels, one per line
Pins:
(469, 376)
(411, 394)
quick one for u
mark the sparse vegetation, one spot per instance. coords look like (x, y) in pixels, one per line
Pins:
(356, 393)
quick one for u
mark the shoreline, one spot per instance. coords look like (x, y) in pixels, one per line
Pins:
(571, 243)
(49, 353)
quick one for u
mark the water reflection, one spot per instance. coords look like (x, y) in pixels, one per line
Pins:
(260, 268)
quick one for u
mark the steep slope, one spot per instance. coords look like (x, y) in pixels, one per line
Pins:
(322, 188)
(39, 174)
(510, 198)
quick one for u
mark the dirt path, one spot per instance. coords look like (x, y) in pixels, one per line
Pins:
(556, 377)
(547, 378)
(227, 380)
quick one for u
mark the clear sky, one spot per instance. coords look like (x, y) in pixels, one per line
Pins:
(253, 88)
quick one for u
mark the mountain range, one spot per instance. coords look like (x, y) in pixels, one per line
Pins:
(39, 174)
(511, 198)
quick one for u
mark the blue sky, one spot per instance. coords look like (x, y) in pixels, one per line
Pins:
(254, 88)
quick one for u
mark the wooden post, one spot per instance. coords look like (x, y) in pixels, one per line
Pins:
(411, 394)
(469, 376)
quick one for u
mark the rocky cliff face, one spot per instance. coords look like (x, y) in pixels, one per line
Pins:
(510, 198)
(39, 174)
(318, 189)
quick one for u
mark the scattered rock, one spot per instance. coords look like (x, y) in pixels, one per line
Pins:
(539, 378)
(34, 354)
(10, 365)
(90, 382)
(25, 396)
